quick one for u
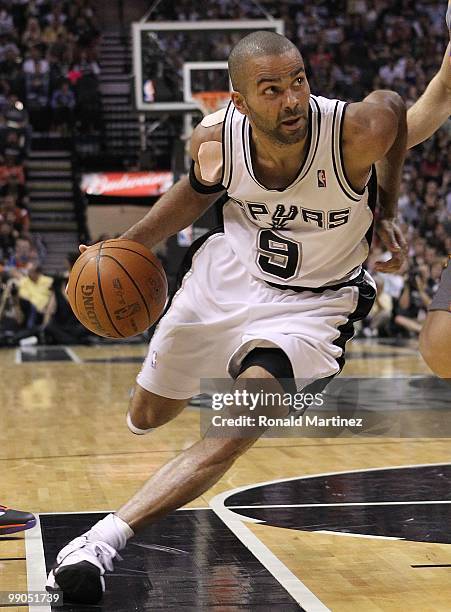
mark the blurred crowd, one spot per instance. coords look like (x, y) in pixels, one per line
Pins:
(48, 58)
(48, 74)
(350, 48)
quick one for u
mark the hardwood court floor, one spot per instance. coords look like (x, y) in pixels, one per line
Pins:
(64, 447)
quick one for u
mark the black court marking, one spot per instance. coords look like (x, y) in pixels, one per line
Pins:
(44, 353)
(411, 503)
(189, 560)
(436, 565)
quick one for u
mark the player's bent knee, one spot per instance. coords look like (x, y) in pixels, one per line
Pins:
(435, 340)
(147, 411)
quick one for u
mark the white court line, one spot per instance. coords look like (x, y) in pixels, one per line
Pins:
(75, 358)
(355, 535)
(36, 572)
(273, 564)
(18, 356)
(343, 504)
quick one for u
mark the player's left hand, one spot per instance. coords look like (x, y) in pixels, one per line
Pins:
(393, 240)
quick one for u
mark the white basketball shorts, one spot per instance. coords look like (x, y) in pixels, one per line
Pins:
(220, 313)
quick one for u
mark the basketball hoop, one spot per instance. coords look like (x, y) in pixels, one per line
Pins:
(211, 101)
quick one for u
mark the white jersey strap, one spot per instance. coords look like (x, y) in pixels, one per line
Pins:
(337, 153)
(227, 145)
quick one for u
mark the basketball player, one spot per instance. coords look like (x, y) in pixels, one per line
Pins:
(272, 295)
(15, 520)
(424, 118)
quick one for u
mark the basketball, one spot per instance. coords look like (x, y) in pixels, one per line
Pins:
(117, 288)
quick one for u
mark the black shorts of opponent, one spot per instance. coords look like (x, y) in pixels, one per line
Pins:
(442, 299)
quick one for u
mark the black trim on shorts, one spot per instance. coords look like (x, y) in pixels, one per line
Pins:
(298, 288)
(200, 187)
(273, 360)
(367, 296)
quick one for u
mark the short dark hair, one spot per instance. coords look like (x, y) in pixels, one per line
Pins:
(259, 43)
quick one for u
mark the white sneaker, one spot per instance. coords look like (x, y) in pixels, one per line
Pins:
(79, 570)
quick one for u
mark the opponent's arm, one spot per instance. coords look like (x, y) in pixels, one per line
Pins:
(433, 108)
(182, 204)
(375, 131)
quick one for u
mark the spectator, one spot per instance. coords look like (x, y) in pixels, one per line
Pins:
(60, 326)
(7, 240)
(17, 190)
(37, 99)
(35, 64)
(32, 35)
(34, 295)
(53, 31)
(6, 20)
(11, 213)
(63, 104)
(8, 169)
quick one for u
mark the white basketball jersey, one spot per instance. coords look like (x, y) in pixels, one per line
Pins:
(314, 232)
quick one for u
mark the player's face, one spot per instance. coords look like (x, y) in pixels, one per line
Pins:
(277, 97)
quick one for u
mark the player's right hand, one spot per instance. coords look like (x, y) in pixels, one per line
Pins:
(82, 248)
(392, 238)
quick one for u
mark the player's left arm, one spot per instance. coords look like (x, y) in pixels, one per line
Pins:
(433, 108)
(375, 132)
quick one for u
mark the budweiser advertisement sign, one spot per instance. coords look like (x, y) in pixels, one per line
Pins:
(127, 184)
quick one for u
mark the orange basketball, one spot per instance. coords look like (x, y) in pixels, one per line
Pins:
(117, 288)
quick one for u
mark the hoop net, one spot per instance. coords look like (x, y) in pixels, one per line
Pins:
(211, 101)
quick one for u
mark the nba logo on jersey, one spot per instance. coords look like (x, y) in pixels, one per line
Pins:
(153, 361)
(321, 178)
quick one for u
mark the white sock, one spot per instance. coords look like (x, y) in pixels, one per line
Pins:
(137, 430)
(112, 530)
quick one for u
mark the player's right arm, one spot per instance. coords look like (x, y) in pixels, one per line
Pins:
(186, 201)
(190, 197)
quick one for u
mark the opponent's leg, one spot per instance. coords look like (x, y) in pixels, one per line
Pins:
(435, 342)
(435, 337)
(146, 410)
(82, 563)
